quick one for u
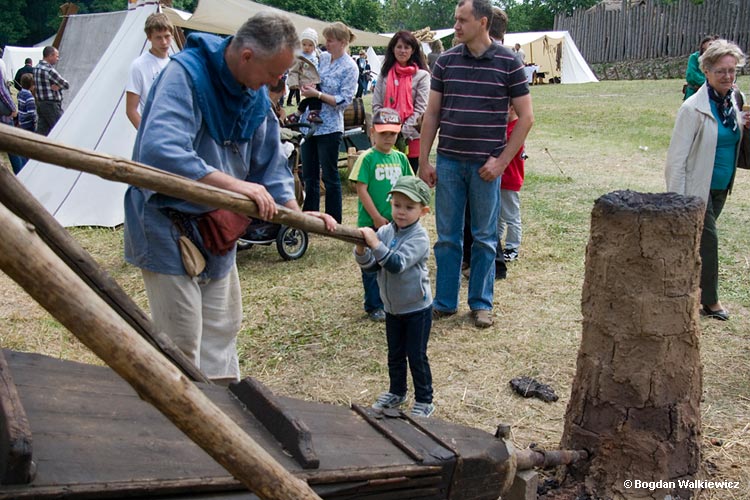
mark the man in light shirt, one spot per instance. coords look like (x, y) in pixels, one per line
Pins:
(146, 68)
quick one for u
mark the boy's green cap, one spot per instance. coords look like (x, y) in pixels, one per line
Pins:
(413, 187)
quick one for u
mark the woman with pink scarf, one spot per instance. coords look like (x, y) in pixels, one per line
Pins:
(404, 85)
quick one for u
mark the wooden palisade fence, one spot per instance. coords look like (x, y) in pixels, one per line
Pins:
(649, 29)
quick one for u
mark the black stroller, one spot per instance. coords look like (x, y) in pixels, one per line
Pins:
(291, 243)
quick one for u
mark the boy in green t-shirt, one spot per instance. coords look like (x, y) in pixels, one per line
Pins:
(376, 172)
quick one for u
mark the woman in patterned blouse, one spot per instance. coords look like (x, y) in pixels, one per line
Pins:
(338, 73)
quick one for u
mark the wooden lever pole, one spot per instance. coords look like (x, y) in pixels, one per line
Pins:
(24, 143)
(18, 200)
(28, 261)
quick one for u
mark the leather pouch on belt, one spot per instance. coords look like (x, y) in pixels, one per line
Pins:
(192, 259)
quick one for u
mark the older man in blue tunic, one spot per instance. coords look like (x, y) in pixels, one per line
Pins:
(208, 118)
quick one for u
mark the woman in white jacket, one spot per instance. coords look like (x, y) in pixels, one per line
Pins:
(404, 85)
(702, 156)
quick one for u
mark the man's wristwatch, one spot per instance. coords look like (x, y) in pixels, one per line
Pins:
(320, 95)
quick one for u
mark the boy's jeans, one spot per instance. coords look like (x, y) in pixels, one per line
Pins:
(407, 336)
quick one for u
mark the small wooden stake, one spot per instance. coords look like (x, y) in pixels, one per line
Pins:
(28, 261)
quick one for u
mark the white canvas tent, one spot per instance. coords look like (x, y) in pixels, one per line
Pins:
(375, 61)
(14, 58)
(555, 53)
(225, 16)
(95, 119)
(84, 41)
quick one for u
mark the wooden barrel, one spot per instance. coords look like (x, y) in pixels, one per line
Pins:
(354, 114)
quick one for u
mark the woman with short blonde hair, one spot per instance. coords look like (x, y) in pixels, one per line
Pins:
(339, 31)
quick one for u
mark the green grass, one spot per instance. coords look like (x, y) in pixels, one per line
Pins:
(305, 334)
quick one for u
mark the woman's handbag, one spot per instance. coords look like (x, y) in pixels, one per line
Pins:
(743, 161)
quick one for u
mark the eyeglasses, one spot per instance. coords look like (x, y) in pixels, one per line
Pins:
(725, 72)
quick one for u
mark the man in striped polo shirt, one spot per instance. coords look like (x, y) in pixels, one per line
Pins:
(472, 86)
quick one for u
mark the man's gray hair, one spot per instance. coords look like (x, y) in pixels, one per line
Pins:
(480, 9)
(267, 33)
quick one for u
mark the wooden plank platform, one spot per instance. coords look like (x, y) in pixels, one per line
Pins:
(93, 437)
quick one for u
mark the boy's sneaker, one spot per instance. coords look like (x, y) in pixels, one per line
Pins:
(376, 315)
(388, 400)
(510, 254)
(423, 410)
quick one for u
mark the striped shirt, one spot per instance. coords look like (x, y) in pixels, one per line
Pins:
(26, 110)
(44, 77)
(476, 93)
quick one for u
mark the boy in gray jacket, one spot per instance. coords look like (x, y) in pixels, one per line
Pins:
(398, 253)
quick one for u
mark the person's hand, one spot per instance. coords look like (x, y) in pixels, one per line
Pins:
(428, 174)
(309, 90)
(330, 222)
(262, 198)
(492, 169)
(370, 237)
(55, 87)
(379, 222)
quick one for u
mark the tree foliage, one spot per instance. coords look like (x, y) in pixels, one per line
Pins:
(539, 15)
(568, 6)
(364, 15)
(13, 26)
(25, 22)
(325, 10)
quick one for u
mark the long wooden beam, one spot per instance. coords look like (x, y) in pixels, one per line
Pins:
(27, 260)
(21, 142)
(17, 199)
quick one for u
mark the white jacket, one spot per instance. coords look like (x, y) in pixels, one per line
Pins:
(692, 150)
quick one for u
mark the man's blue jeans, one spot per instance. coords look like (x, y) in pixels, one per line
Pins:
(458, 183)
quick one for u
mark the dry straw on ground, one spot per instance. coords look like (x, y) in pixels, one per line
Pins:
(305, 334)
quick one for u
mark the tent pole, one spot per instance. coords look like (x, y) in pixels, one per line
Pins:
(66, 9)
